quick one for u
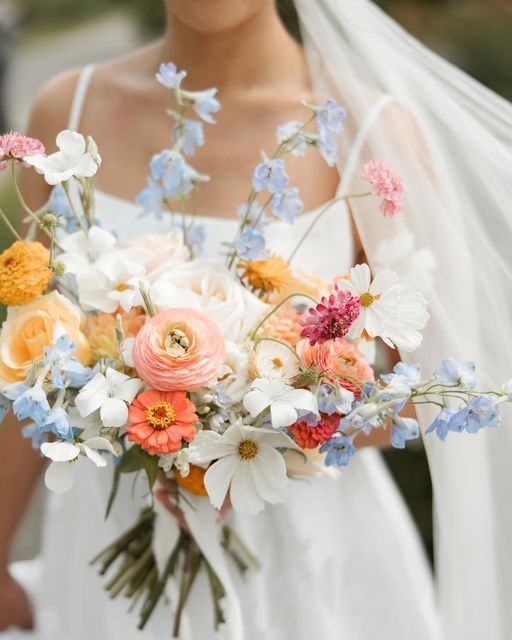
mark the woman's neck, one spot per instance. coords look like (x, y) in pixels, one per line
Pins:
(255, 54)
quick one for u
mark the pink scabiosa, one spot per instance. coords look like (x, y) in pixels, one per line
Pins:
(15, 147)
(387, 184)
(331, 318)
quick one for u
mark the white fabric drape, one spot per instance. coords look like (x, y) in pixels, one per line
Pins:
(451, 140)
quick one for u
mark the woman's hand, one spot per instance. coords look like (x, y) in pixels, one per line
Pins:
(15, 608)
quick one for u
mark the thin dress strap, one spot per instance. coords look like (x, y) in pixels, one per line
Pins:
(357, 146)
(79, 98)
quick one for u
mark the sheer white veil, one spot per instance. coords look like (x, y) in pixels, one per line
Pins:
(451, 140)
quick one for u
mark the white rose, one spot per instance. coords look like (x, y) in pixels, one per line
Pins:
(234, 373)
(157, 253)
(209, 287)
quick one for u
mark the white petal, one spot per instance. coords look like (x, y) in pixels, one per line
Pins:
(302, 399)
(129, 389)
(97, 442)
(114, 412)
(60, 451)
(383, 280)
(276, 439)
(218, 477)
(282, 414)
(268, 471)
(255, 402)
(360, 277)
(92, 396)
(93, 455)
(71, 143)
(86, 166)
(59, 476)
(243, 493)
(208, 446)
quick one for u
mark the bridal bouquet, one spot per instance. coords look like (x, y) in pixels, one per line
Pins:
(221, 380)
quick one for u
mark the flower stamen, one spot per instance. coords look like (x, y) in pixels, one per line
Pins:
(366, 299)
(248, 450)
(160, 415)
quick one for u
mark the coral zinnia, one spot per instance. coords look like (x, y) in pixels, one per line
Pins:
(339, 360)
(268, 276)
(193, 481)
(308, 437)
(331, 318)
(24, 272)
(160, 420)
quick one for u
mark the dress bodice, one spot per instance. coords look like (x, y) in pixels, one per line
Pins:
(328, 250)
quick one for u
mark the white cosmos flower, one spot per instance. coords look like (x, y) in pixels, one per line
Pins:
(60, 474)
(390, 309)
(246, 462)
(111, 393)
(283, 401)
(275, 360)
(72, 159)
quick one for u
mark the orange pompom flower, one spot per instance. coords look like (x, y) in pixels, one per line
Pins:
(193, 481)
(24, 272)
(160, 420)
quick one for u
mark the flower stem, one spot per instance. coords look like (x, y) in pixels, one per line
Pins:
(24, 205)
(65, 186)
(9, 225)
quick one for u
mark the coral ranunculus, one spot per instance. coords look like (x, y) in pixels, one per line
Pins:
(35, 325)
(24, 272)
(160, 420)
(178, 349)
(338, 358)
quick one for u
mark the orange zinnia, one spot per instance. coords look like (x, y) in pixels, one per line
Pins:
(160, 420)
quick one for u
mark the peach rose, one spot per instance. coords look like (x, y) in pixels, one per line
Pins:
(33, 326)
(338, 357)
(178, 350)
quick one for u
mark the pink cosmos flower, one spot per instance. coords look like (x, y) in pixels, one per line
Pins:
(331, 318)
(386, 184)
(178, 350)
(14, 146)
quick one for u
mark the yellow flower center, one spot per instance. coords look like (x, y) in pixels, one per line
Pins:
(277, 363)
(366, 299)
(160, 415)
(248, 450)
(122, 287)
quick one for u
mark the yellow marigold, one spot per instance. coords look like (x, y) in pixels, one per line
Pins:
(194, 481)
(101, 331)
(24, 272)
(284, 325)
(268, 276)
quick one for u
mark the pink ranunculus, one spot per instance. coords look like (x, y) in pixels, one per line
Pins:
(14, 146)
(387, 184)
(338, 360)
(178, 350)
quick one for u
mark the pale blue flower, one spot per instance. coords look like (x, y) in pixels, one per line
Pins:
(31, 404)
(270, 175)
(287, 205)
(335, 399)
(151, 199)
(339, 450)
(328, 147)
(457, 373)
(480, 412)
(204, 103)
(311, 418)
(440, 424)
(256, 217)
(58, 203)
(196, 236)
(402, 430)
(296, 143)
(251, 245)
(410, 374)
(169, 167)
(5, 405)
(169, 76)
(38, 437)
(64, 368)
(330, 116)
(192, 134)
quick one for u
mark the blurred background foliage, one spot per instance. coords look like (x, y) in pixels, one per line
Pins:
(475, 34)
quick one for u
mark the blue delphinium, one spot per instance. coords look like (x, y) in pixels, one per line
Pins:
(271, 175)
(169, 167)
(5, 405)
(287, 205)
(339, 450)
(335, 399)
(330, 117)
(192, 134)
(251, 245)
(169, 76)
(328, 147)
(457, 373)
(151, 199)
(410, 374)
(58, 203)
(440, 424)
(402, 430)
(296, 143)
(30, 402)
(204, 103)
(65, 369)
(480, 412)
(196, 236)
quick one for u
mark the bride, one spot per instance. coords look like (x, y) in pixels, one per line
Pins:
(341, 559)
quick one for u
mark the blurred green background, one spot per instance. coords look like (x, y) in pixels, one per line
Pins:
(47, 37)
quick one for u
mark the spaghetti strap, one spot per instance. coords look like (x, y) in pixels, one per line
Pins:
(357, 146)
(79, 98)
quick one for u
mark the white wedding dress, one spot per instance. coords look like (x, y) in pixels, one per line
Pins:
(341, 560)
